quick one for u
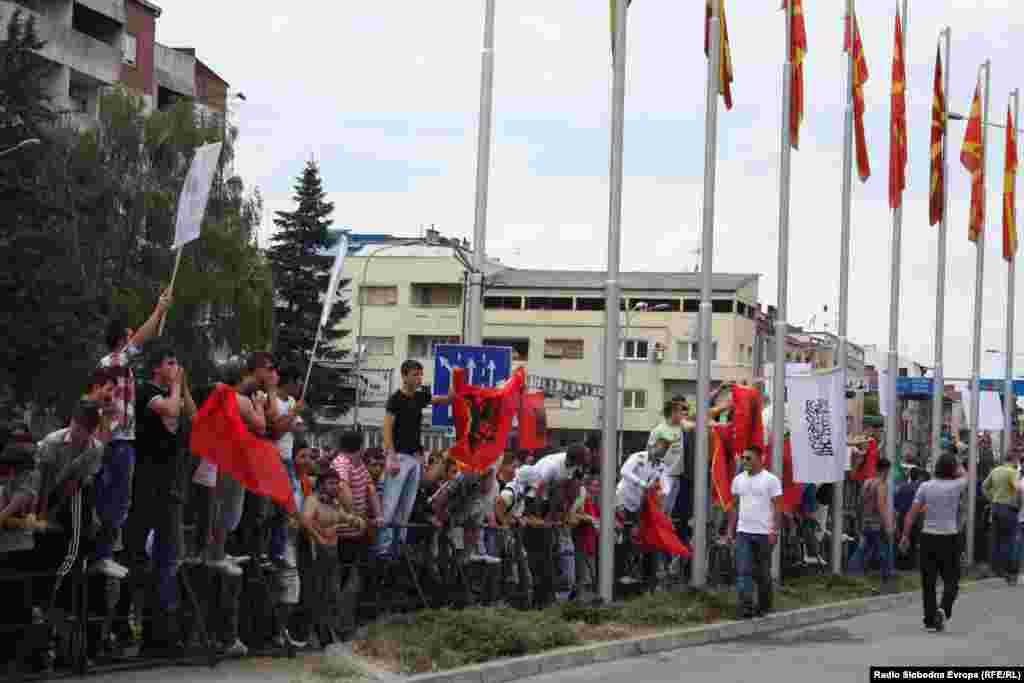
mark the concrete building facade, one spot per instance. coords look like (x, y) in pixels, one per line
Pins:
(413, 298)
(92, 45)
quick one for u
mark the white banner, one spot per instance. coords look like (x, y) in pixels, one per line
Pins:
(817, 413)
(990, 417)
(332, 288)
(195, 194)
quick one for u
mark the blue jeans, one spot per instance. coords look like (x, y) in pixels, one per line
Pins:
(875, 544)
(1018, 548)
(399, 497)
(113, 495)
(1004, 521)
(754, 565)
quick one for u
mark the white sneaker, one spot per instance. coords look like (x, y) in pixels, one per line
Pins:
(108, 568)
(486, 559)
(236, 649)
(238, 559)
(226, 566)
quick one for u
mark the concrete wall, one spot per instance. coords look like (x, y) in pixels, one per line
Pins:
(175, 70)
(211, 90)
(141, 23)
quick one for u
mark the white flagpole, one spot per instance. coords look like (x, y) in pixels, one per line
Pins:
(782, 303)
(609, 464)
(700, 480)
(972, 462)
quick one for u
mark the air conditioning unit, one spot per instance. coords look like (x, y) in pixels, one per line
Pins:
(659, 352)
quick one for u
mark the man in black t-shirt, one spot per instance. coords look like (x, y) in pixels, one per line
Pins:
(161, 404)
(402, 423)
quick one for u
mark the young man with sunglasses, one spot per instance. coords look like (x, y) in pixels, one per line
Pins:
(755, 527)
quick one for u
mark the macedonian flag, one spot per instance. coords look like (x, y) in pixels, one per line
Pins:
(725, 76)
(898, 124)
(937, 194)
(1010, 191)
(860, 77)
(797, 51)
(973, 160)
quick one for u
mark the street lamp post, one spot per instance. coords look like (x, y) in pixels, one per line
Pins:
(24, 143)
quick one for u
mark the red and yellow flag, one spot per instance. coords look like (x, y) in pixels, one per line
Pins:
(860, 77)
(898, 123)
(1010, 191)
(725, 76)
(937, 195)
(972, 159)
(797, 51)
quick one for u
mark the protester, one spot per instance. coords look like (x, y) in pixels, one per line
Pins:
(939, 499)
(673, 430)
(114, 485)
(754, 529)
(1000, 488)
(877, 526)
(402, 446)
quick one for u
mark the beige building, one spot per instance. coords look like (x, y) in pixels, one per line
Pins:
(411, 299)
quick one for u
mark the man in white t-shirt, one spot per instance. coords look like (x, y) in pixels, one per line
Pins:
(754, 527)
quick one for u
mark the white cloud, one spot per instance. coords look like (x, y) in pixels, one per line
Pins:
(278, 23)
(551, 32)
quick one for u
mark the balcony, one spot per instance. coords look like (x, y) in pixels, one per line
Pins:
(175, 70)
(111, 9)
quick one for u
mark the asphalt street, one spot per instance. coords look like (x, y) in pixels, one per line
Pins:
(986, 630)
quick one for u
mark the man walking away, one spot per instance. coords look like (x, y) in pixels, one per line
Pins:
(1000, 488)
(755, 530)
(940, 540)
(877, 527)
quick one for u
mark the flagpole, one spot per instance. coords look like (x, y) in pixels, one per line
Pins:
(979, 280)
(170, 288)
(475, 329)
(700, 498)
(892, 421)
(938, 378)
(782, 297)
(609, 465)
(844, 278)
(1011, 277)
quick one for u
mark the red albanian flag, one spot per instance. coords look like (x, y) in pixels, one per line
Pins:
(657, 534)
(483, 419)
(533, 422)
(220, 436)
(792, 492)
(723, 466)
(869, 468)
(749, 425)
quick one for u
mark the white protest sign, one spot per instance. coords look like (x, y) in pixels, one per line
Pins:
(195, 194)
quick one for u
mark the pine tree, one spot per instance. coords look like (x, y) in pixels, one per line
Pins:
(301, 268)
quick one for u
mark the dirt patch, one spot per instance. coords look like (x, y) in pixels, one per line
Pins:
(384, 654)
(599, 633)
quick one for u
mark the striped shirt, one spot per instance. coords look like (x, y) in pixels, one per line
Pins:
(123, 412)
(358, 480)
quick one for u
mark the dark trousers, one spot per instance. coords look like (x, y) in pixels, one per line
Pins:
(940, 556)
(540, 549)
(353, 560)
(156, 507)
(1004, 537)
(754, 566)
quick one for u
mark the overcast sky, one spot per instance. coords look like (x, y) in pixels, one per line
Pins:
(385, 94)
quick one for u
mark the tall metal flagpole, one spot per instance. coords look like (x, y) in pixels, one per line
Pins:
(781, 306)
(844, 281)
(1009, 399)
(892, 420)
(700, 481)
(938, 377)
(609, 464)
(475, 329)
(979, 281)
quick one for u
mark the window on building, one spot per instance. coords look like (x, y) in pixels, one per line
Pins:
(569, 349)
(442, 295)
(130, 48)
(376, 295)
(549, 303)
(520, 347)
(588, 303)
(423, 346)
(635, 349)
(722, 306)
(509, 303)
(634, 399)
(750, 354)
(903, 372)
(379, 346)
(663, 305)
(687, 351)
(691, 305)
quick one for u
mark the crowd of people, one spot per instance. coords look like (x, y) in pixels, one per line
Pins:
(118, 493)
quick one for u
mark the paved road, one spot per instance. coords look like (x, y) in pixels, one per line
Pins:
(985, 630)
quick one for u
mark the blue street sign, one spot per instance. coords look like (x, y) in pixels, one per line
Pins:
(486, 366)
(997, 385)
(913, 386)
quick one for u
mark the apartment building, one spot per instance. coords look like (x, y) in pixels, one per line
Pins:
(92, 45)
(410, 299)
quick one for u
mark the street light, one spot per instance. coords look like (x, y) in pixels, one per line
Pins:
(23, 143)
(643, 307)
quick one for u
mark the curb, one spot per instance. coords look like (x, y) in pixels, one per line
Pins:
(502, 671)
